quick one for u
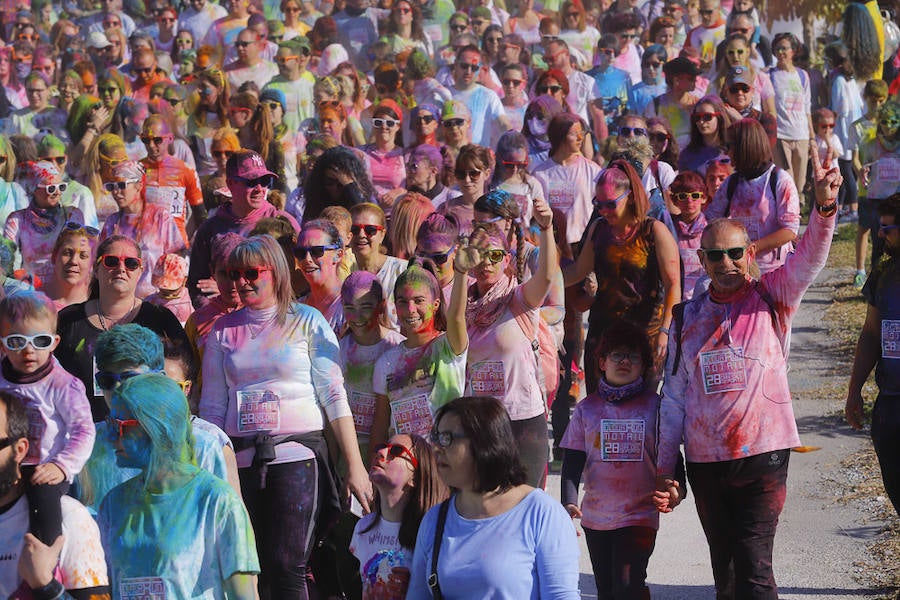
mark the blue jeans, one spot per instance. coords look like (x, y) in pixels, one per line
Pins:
(284, 518)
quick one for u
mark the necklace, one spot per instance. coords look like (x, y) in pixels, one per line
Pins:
(103, 318)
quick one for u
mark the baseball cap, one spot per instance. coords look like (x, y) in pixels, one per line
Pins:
(97, 40)
(739, 74)
(454, 109)
(247, 164)
(169, 272)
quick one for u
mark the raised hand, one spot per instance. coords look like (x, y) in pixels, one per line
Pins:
(827, 177)
(467, 256)
(542, 214)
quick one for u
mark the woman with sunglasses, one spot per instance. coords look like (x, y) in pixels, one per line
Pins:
(271, 376)
(436, 242)
(635, 260)
(35, 229)
(404, 29)
(709, 122)
(318, 253)
(574, 28)
(474, 166)
(150, 225)
(662, 140)
(534, 549)
(72, 259)
(502, 361)
(384, 155)
(738, 95)
(760, 195)
(405, 477)
(652, 83)
(116, 272)
(209, 114)
(367, 235)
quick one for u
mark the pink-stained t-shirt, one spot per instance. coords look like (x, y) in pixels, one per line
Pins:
(35, 235)
(259, 376)
(180, 306)
(689, 235)
(753, 205)
(570, 189)
(502, 364)
(358, 365)
(155, 232)
(60, 427)
(729, 396)
(619, 475)
(333, 313)
(387, 169)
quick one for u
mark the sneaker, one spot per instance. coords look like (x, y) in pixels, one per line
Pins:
(849, 217)
(860, 280)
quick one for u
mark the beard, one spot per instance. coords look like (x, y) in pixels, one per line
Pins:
(9, 476)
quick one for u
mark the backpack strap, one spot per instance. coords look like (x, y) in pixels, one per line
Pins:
(656, 105)
(433, 584)
(530, 329)
(654, 170)
(730, 188)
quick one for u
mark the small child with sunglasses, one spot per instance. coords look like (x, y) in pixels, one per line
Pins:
(688, 193)
(60, 427)
(611, 440)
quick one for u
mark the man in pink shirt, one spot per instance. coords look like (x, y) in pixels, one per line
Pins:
(726, 395)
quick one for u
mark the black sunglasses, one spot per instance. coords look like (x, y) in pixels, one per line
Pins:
(439, 258)
(717, 254)
(266, 181)
(111, 261)
(315, 251)
(553, 89)
(156, 140)
(250, 273)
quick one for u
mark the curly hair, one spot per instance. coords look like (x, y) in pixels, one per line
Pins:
(861, 38)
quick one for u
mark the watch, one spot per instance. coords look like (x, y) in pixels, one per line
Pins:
(827, 209)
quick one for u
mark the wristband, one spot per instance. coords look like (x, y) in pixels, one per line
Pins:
(51, 591)
(664, 330)
(827, 210)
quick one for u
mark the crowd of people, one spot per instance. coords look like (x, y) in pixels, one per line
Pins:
(302, 299)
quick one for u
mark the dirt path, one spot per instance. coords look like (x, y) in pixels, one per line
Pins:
(818, 540)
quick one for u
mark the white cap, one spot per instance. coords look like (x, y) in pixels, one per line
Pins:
(97, 39)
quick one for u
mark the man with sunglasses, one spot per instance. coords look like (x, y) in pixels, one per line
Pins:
(249, 181)
(295, 81)
(582, 86)
(170, 182)
(250, 64)
(708, 34)
(879, 348)
(108, 8)
(726, 393)
(146, 72)
(489, 120)
(423, 167)
(74, 566)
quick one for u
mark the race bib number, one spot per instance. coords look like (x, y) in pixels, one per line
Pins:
(890, 339)
(142, 588)
(487, 378)
(621, 440)
(723, 370)
(170, 198)
(412, 415)
(362, 406)
(561, 198)
(36, 427)
(258, 411)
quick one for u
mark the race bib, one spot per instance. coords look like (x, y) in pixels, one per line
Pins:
(258, 411)
(362, 406)
(723, 370)
(36, 427)
(435, 33)
(621, 440)
(142, 588)
(890, 338)
(170, 198)
(412, 415)
(889, 169)
(561, 198)
(487, 378)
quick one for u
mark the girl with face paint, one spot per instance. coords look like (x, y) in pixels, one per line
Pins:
(414, 379)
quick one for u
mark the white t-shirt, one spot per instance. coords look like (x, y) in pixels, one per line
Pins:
(792, 103)
(485, 107)
(570, 189)
(379, 553)
(82, 564)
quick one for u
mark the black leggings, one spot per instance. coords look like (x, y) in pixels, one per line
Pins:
(619, 558)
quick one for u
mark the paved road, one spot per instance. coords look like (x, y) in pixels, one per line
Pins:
(818, 540)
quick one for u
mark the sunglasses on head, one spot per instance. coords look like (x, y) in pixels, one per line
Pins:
(52, 188)
(553, 89)
(632, 131)
(438, 258)
(369, 230)
(464, 174)
(16, 342)
(609, 204)
(384, 123)
(448, 123)
(684, 196)
(397, 451)
(59, 160)
(704, 117)
(266, 181)
(76, 226)
(111, 261)
(717, 254)
(111, 186)
(314, 251)
(156, 140)
(250, 273)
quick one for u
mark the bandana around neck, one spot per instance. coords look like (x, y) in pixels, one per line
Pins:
(613, 393)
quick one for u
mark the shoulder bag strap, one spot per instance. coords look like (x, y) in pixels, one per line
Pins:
(433, 584)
